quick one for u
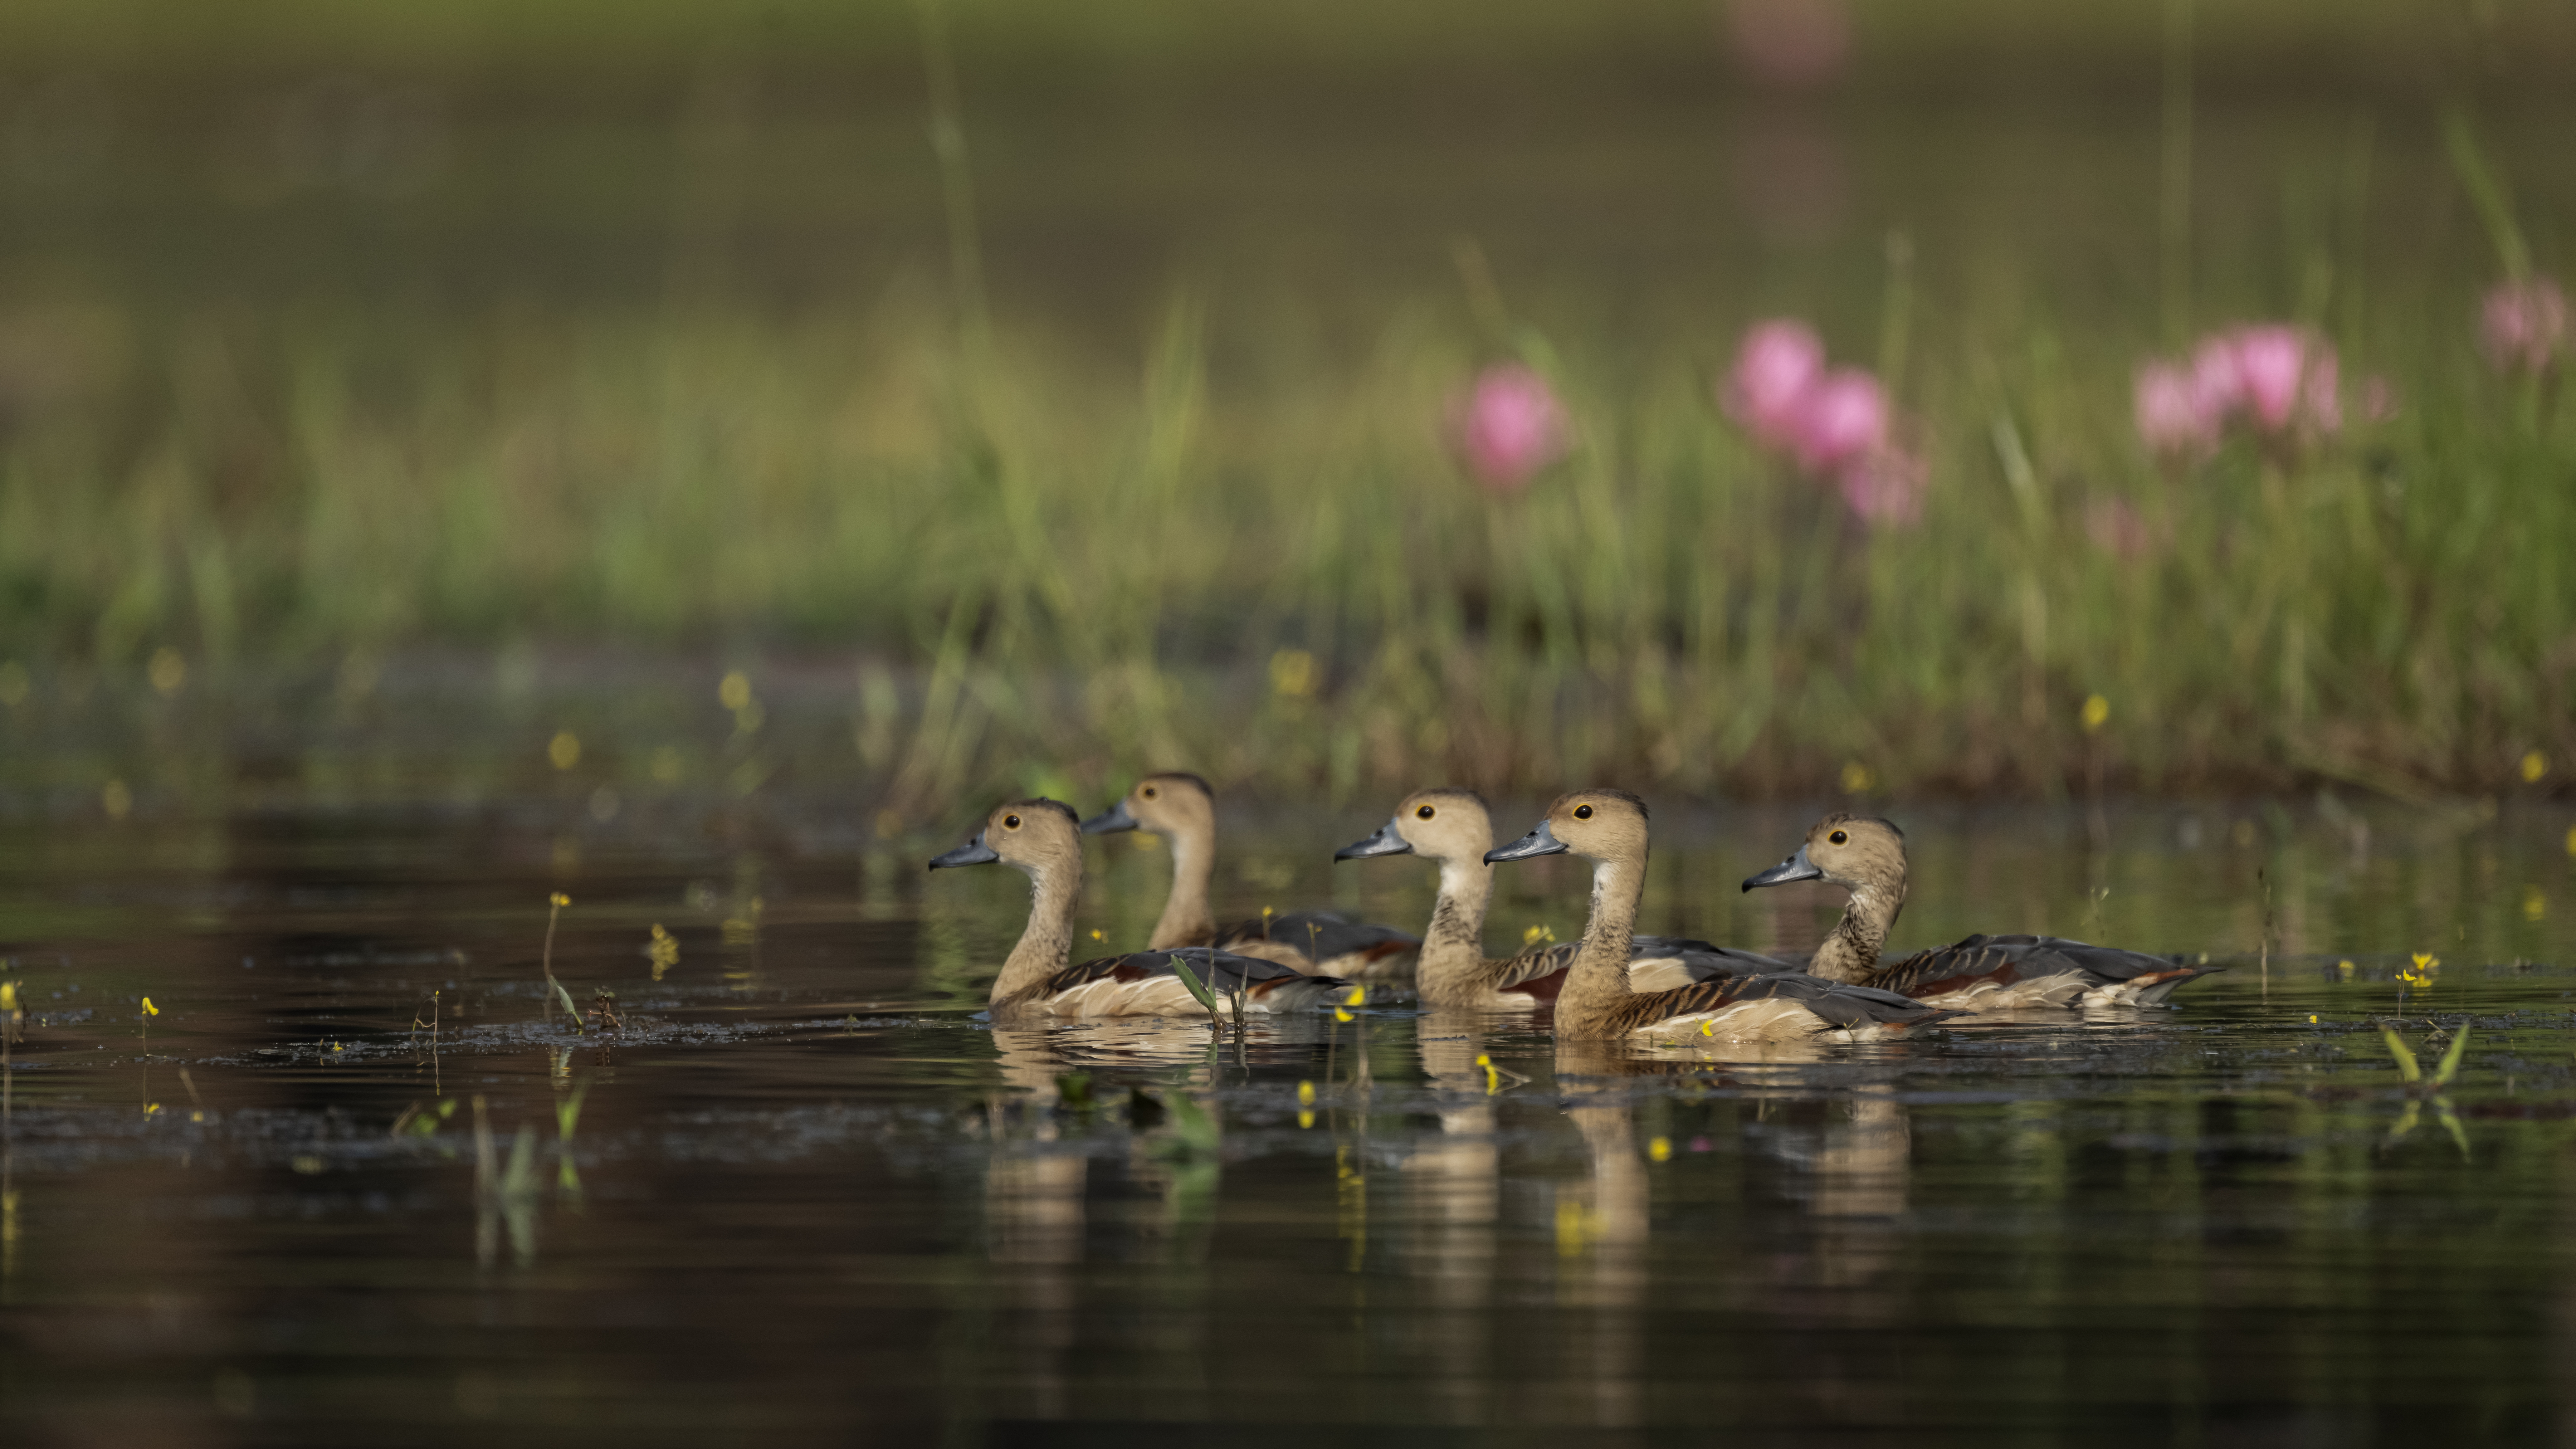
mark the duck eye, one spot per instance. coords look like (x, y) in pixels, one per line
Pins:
(1840, 837)
(1422, 814)
(1582, 812)
(1010, 822)
(1147, 792)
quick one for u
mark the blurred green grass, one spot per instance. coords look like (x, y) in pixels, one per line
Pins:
(373, 423)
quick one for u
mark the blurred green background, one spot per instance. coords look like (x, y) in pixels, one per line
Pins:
(538, 365)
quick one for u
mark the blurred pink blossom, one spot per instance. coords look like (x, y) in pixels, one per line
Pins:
(1790, 42)
(1775, 365)
(1509, 426)
(1842, 417)
(2524, 324)
(2173, 415)
(1884, 487)
(2276, 377)
(2216, 378)
(2270, 359)
(2117, 528)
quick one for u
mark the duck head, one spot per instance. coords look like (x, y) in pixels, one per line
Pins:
(1441, 825)
(1597, 824)
(1169, 805)
(1859, 851)
(1033, 835)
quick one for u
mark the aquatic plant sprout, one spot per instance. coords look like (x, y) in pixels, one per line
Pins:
(1509, 426)
(2522, 325)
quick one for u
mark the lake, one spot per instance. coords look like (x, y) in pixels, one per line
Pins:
(788, 1180)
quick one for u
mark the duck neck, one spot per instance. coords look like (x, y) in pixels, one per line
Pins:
(1047, 945)
(1598, 982)
(1453, 949)
(1851, 952)
(1187, 921)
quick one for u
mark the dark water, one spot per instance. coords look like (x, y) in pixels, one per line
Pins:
(809, 1192)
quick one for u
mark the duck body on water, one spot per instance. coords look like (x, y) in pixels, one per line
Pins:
(1043, 839)
(1608, 828)
(1981, 973)
(1454, 830)
(1180, 808)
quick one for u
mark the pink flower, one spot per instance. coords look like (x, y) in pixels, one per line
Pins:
(2117, 528)
(2524, 324)
(2216, 379)
(1884, 487)
(1509, 426)
(1775, 365)
(2173, 411)
(2270, 360)
(1842, 417)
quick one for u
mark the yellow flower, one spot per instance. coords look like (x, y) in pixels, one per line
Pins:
(1535, 935)
(559, 899)
(1305, 1119)
(2343, 970)
(1857, 778)
(1305, 1094)
(2097, 713)
(1708, 1028)
(8, 996)
(149, 1009)
(2312, 1018)
(1358, 997)
(2427, 963)
(1660, 1150)
(1293, 673)
(1493, 1079)
(2534, 765)
(735, 691)
(564, 749)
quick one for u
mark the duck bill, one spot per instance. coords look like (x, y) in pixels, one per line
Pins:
(1541, 841)
(1795, 868)
(1110, 821)
(973, 852)
(1389, 840)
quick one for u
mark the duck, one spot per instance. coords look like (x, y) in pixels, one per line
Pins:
(1180, 808)
(1609, 828)
(1981, 973)
(1043, 839)
(1454, 829)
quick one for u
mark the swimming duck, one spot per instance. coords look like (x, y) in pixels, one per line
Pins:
(1181, 808)
(1043, 839)
(1453, 829)
(1982, 973)
(1608, 827)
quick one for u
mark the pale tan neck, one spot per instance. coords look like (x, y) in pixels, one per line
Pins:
(1453, 948)
(1598, 982)
(1047, 945)
(1187, 921)
(1851, 952)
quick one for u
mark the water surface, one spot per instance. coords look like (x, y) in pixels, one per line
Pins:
(809, 1190)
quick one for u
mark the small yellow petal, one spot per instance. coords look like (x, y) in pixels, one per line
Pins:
(559, 899)
(149, 1009)
(1661, 1149)
(1341, 1015)
(1305, 1094)
(1305, 1119)
(1358, 997)
(2312, 1018)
